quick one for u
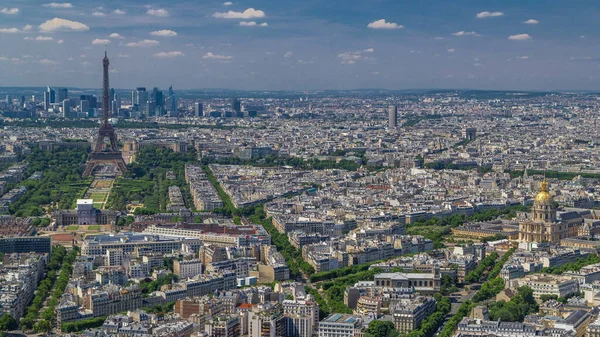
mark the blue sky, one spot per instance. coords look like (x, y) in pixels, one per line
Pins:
(308, 44)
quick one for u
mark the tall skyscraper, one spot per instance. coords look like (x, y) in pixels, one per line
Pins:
(51, 95)
(66, 108)
(158, 97)
(172, 102)
(46, 100)
(198, 109)
(112, 94)
(393, 117)
(62, 94)
(236, 105)
(84, 106)
(141, 98)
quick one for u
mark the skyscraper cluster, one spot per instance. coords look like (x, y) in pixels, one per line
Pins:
(155, 104)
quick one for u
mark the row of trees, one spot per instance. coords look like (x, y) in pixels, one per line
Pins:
(336, 273)
(573, 266)
(486, 264)
(44, 288)
(295, 162)
(81, 325)
(324, 309)
(293, 256)
(498, 267)
(60, 285)
(489, 289)
(430, 324)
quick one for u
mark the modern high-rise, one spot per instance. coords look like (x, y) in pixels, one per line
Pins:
(172, 102)
(236, 105)
(66, 108)
(46, 100)
(62, 94)
(84, 106)
(198, 109)
(393, 117)
(141, 98)
(51, 95)
(158, 97)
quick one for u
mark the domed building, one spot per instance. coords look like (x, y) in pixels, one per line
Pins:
(543, 226)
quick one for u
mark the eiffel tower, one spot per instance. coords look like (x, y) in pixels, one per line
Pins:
(104, 155)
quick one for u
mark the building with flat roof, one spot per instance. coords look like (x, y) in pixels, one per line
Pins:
(25, 244)
(340, 325)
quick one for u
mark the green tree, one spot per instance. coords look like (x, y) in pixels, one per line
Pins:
(379, 328)
(7, 322)
(42, 326)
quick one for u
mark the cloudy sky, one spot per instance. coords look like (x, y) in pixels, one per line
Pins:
(308, 44)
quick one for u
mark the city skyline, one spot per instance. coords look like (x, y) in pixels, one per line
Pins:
(259, 45)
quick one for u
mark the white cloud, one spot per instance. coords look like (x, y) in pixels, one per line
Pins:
(249, 13)
(463, 33)
(9, 30)
(113, 71)
(349, 57)
(47, 62)
(369, 50)
(9, 11)
(101, 41)
(288, 54)
(57, 24)
(70, 58)
(143, 43)
(40, 38)
(119, 12)
(211, 56)
(96, 13)
(248, 23)
(451, 50)
(382, 24)
(583, 37)
(59, 5)
(531, 22)
(520, 37)
(523, 57)
(82, 56)
(123, 56)
(483, 15)
(27, 27)
(170, 54)
(164, 32)
(227, 3)
(264, 24)
(60, 41)
(158, 12)
(116, 36)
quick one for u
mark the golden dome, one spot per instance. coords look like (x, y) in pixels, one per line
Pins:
(544, 196)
